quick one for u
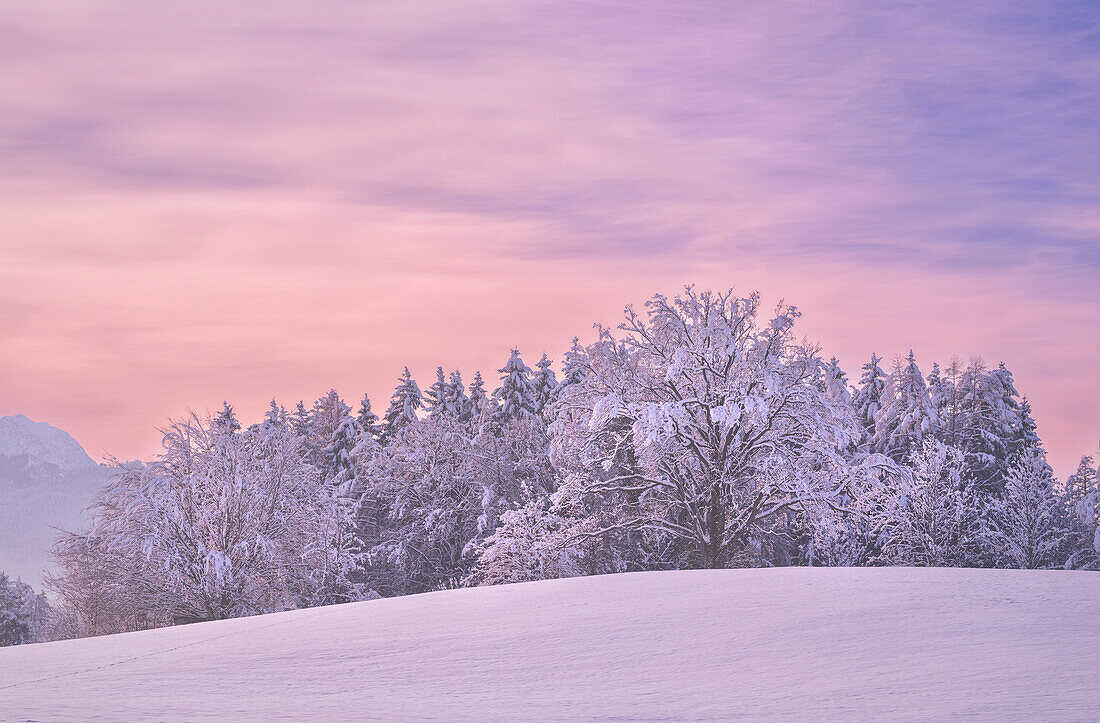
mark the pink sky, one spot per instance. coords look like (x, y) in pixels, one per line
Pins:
(201, 203)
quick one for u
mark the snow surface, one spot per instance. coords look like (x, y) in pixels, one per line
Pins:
(790, 643)
(46, 481)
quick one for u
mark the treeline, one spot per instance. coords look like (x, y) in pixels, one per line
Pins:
(696, 434)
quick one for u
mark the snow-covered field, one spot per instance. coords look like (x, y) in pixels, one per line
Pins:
(795, 643)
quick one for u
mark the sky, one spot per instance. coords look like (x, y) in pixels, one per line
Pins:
(207, 201)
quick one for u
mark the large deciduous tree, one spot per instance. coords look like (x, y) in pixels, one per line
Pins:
(705, 425)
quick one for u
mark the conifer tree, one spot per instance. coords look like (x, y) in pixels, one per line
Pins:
(479, 401)
(991, 415)
(906, 415)
(338, 467)
(1081, 509)
(457, 399)
(403, 405)
(299, 420)
(517, 395)
(1026, 439)
(226, 421)
(1022, 526)
(868, 397)
(573, 367)
(545, 383)
(947, 398)
(14, 627)
(836, 382)
(436, 399)
(367, 419)
(275, 416)
(935, 518)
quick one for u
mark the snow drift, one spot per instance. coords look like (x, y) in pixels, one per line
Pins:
(791, 643)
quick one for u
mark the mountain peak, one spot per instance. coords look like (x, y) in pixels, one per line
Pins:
(42, 444)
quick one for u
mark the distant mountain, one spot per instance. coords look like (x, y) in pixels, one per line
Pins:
(42, 447)
(46, 482)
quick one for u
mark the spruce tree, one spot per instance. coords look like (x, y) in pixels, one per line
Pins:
(545, 383)
(457, 399)
(836, 381)
(329, 443)
(947, 397)
(275, 417)
(573, 367)
(328, 413)
(367, 419)
(226, 421)
(479, 401)
(991, 415)
(338, 467)
(517, 395)
(1026, 439)
(1081, 511)
(403, 405)
(436, 398)
(868, 397)
(1022, 526)
(299, 420)
(906, 415)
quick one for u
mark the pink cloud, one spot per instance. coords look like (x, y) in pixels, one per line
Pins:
(198, 203)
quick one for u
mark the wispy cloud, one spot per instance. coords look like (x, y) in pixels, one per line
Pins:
(202, 200)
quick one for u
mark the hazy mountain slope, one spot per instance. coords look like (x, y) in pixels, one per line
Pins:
(46, 481)
(793, 643)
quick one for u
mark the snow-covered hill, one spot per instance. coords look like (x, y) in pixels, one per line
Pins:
(793, 643)
(46, 481)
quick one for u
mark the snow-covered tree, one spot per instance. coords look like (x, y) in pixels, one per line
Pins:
(947, 392)
(868, 397)
(479, 401)
(428, 502)
(332, 435)
(1025, 441)
(402, 410)
(574, 366)
(329, 412)
(1081, 510)
(299, 420)
(516, 395)
(991, 423)
(219, 525)
(546, 382)
(705, 425)
(934, 521)
(23, 613)
(437, 397)
(457, 399)
(368, 420)
(906, 415)
(276, 416)
(1023, 526)
(227, 419)
(531, 543)
(336, 458)
(835, 382)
